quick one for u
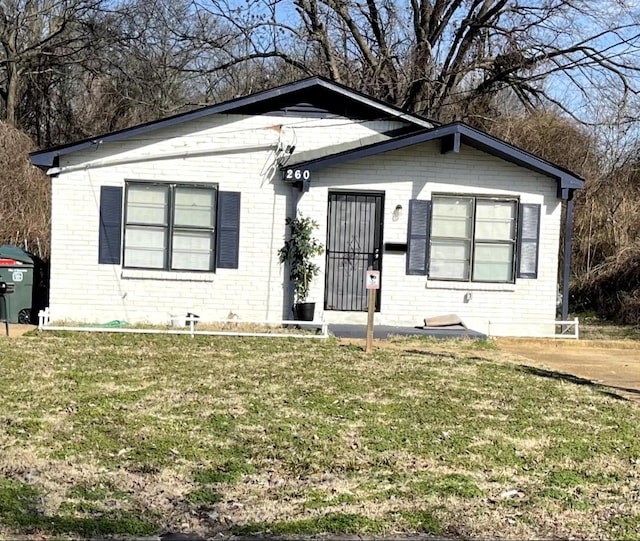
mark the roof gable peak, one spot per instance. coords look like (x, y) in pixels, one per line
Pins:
(314, 96)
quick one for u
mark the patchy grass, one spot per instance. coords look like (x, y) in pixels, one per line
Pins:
(332, 523)
(204, 496)
(21, 511)
(594, 328)
(131, 435)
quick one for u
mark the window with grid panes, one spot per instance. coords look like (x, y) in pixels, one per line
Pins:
(473, 238)
(170, 226)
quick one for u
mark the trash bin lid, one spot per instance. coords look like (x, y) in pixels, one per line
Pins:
(13, 252)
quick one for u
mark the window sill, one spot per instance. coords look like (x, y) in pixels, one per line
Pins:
(175, 276)
(469, 286)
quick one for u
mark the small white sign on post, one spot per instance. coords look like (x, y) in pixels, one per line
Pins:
(373, 279)
(372, 282)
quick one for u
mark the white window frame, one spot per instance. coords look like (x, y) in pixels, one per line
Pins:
(474, 242)
(169, 225)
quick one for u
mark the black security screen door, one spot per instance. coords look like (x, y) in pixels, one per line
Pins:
(354, 242)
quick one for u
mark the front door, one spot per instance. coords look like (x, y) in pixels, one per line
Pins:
(354, 245)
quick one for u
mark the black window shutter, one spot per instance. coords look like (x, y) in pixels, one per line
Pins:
(528, 240)
(228, 230)
(110, 235)
(418, 236)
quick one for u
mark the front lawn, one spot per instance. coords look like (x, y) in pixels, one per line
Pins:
(135, 435)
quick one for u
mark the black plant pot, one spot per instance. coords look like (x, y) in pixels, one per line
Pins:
(304, 311)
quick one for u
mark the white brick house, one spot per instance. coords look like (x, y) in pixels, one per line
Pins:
(187, 214)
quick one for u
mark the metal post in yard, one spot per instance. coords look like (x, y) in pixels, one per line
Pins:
(372, 283)
(372, 311)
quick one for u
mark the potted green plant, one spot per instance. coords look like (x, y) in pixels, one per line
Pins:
(298, 252)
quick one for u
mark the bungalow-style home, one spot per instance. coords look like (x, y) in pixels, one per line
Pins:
(187, 214)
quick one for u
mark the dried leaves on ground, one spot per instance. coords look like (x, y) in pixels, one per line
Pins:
(131, 435)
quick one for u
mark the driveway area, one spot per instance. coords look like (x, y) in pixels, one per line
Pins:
(614, 363)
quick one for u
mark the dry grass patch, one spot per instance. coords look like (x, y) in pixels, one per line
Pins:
(129, 435)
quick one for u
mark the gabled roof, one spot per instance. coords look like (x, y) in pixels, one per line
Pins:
(314, 96)
(451, 136)
(337, 148)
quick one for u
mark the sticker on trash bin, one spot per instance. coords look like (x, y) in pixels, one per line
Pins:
(17, 275)
(373, 279)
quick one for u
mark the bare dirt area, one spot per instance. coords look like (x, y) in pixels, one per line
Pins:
(614, 363)
(15, 330)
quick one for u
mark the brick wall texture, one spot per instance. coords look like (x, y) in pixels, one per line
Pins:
(238, 153)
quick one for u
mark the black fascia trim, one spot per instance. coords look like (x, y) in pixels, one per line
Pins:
(471, 136)
(492, 145)
(45, 158)
(450, 143)
(375, 102)
(373, 149)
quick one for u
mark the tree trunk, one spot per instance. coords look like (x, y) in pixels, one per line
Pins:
(13, 93)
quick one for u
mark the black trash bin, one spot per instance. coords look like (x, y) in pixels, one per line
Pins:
(27, 273)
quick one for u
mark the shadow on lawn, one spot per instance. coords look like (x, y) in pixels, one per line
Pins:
(20, 510)
(601, 388)
(83, 527)
(428, 353)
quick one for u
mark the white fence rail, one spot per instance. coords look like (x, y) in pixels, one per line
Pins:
(569, 329)
(44, 324)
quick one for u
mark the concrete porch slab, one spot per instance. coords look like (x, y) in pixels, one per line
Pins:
(382, 332)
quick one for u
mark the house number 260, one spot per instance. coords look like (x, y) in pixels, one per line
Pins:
(298, 174)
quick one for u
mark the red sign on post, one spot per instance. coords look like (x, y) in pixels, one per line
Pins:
(373, 279)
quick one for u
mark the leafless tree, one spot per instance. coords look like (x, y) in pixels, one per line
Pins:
(25, 202)
(132, 60)
(32, 33)
(439, 57)
(144, 75)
